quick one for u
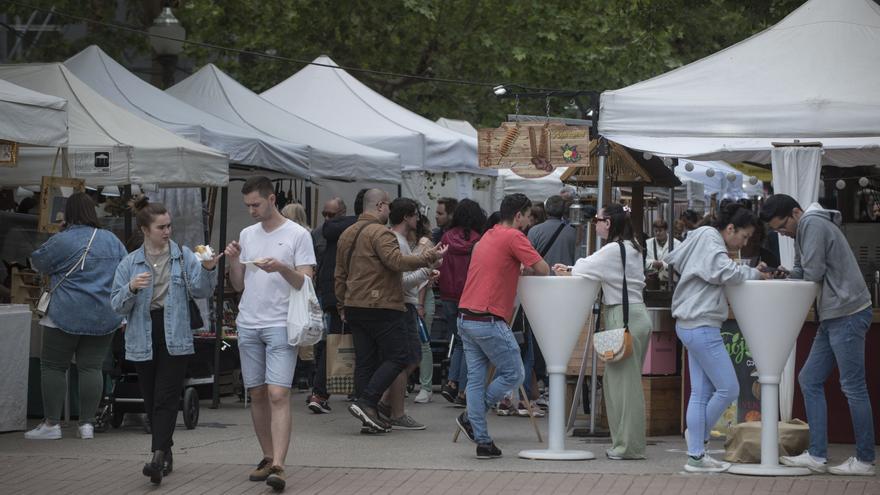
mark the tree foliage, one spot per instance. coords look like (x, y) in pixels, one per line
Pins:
(586, 44)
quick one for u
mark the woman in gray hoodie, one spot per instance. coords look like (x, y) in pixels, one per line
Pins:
(704, 267)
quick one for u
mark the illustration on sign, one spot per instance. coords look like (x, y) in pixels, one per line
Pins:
(90, 163)
(532, 149)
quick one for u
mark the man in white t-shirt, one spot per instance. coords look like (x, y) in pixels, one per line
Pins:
(269, 258)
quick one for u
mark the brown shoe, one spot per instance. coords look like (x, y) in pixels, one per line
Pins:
(262, 470)
(276, 478)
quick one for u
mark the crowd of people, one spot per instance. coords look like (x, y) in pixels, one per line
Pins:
(375, 274)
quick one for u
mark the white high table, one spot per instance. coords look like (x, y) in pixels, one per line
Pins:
(557, 308)
(770, 314)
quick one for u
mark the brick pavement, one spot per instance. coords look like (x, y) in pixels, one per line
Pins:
(28, 474)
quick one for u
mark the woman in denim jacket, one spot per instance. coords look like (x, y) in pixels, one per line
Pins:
(68, 331)
(151, 290)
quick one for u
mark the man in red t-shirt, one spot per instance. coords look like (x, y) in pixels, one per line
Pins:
(485, 309)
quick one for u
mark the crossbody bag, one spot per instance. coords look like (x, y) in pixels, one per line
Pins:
(616, 344)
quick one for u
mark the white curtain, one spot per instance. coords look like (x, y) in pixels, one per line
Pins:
(795, 173)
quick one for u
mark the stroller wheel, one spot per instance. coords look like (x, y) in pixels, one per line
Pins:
(190, 408)
(117, 415)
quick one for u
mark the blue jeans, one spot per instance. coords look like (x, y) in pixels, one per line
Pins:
(458, 371)
(484, 343)
(713, 382)
(840, 340)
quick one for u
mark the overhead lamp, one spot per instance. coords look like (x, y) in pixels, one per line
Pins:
(753, 180)
(840, 184)
(647, 155)
(499, 90)
(731, 176)
(689, 166)
(667, 161)
(710, 172)
(172, 33)
(863, 181)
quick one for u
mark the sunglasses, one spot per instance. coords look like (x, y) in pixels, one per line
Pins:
(596, 220)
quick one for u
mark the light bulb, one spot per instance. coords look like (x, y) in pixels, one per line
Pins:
(731, 177)
(753, 180)
(840, 184)
(647, 155)
(667, 161)
(863, 181)
(710, 172)
(689, 166)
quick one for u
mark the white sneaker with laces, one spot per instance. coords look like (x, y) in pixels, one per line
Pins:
(85, 431)
(706, 464)
(805, 460)
(424, 396)
(44, 432)
(853, 467)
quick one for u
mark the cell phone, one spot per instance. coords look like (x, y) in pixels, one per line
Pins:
(770, 269)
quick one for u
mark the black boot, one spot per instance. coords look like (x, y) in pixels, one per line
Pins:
(153, 469)
(168, 464)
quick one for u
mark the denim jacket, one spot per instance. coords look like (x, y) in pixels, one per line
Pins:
(80, 305)
(136, 307)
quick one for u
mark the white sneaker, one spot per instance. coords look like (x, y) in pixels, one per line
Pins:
(44, 432)
(85, 431)
(805, 460)
(853, 467)
(706, 464)
(424, 396)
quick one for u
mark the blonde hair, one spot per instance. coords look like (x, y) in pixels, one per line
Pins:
(297, 213)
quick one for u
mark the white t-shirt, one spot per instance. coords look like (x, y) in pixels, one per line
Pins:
(266, 295)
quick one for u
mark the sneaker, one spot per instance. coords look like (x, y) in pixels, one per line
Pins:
(276, 478)
(262, 470)
(488, 451)
(406, 422)
(369, 430)
(853, 467)
(460, 402)
(542, 401)
(523, 411)
(368, 416)
(805, 460)
(505, 408)
(85, 431)
(424, 396)
(44, 432)
(449, 392)
(609, 453)
(464, 425)
(705, 464)
(318, 404)
(384, 411)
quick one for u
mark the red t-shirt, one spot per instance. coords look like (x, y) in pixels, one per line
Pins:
(494, 271)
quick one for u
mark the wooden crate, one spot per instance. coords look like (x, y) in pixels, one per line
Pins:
(662, 404)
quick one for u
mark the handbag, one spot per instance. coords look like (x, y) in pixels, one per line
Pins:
(195, 314)
(43, 304)
(305, 320)
(616, 344)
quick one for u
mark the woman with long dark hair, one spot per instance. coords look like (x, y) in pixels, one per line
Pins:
(705, 266)
(80, 261)
(468, 223)
(622, 381)
(151, 289)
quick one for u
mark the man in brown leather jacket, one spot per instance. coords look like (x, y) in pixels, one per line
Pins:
(369, 290)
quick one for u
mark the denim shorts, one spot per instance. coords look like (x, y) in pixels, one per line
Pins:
(266, 357)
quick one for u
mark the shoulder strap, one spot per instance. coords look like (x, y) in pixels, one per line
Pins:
(353, 244)
(183, 272)
(552, 240)
(81, 262)
(625, 291)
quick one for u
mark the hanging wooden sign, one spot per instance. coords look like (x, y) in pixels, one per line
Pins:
(54, 192)
(532, 149)
(8, 153)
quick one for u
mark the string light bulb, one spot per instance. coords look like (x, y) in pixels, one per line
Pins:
(840, 184)
(863, 181)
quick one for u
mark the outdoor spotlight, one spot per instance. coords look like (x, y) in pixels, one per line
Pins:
(863, 181)
(499, 90)
(647, 155)
(753, 180)
(840, 184)
(710, 172)
(689, 166)
(731, 176)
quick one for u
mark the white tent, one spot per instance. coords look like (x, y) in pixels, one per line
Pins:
(459, 126)
(108, 145)
(331, 156)
(336, 100)
(813, 77)
(719, 182)
(537, 188)
(32, 118)
(244, 145)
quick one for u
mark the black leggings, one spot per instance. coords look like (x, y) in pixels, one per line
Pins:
(161, 382)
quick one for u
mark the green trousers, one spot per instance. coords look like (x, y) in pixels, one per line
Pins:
(622, 384)
(59, 349)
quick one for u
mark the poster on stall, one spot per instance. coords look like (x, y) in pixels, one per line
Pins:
(748, 405)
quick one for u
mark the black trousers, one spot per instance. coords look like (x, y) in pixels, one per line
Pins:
(319, 386)
(161, 382)
(381, 350)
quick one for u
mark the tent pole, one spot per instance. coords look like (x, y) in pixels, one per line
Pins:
(594, 381)
(399, 190)
(126, 197)
(308, 200)
(218, 310)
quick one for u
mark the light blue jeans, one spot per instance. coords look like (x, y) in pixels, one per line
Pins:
(488, 342)
(713, 382)
(840, 340)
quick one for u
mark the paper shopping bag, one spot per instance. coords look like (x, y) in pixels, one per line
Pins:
(340, 364)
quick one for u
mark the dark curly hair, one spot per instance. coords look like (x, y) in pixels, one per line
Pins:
(469, 216)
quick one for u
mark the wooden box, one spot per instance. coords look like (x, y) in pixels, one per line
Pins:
(662, 404)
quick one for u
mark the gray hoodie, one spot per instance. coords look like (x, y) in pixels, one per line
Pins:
(822, 254)
(704, 267)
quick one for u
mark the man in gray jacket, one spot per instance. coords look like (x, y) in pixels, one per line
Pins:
(823, 255)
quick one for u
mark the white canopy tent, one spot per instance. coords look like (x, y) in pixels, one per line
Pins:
(459, 126)
(812, 77)
(32, 118)
(719, 182)
(244, 145)
(108, 145)
(332, 98)
(331, 156)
